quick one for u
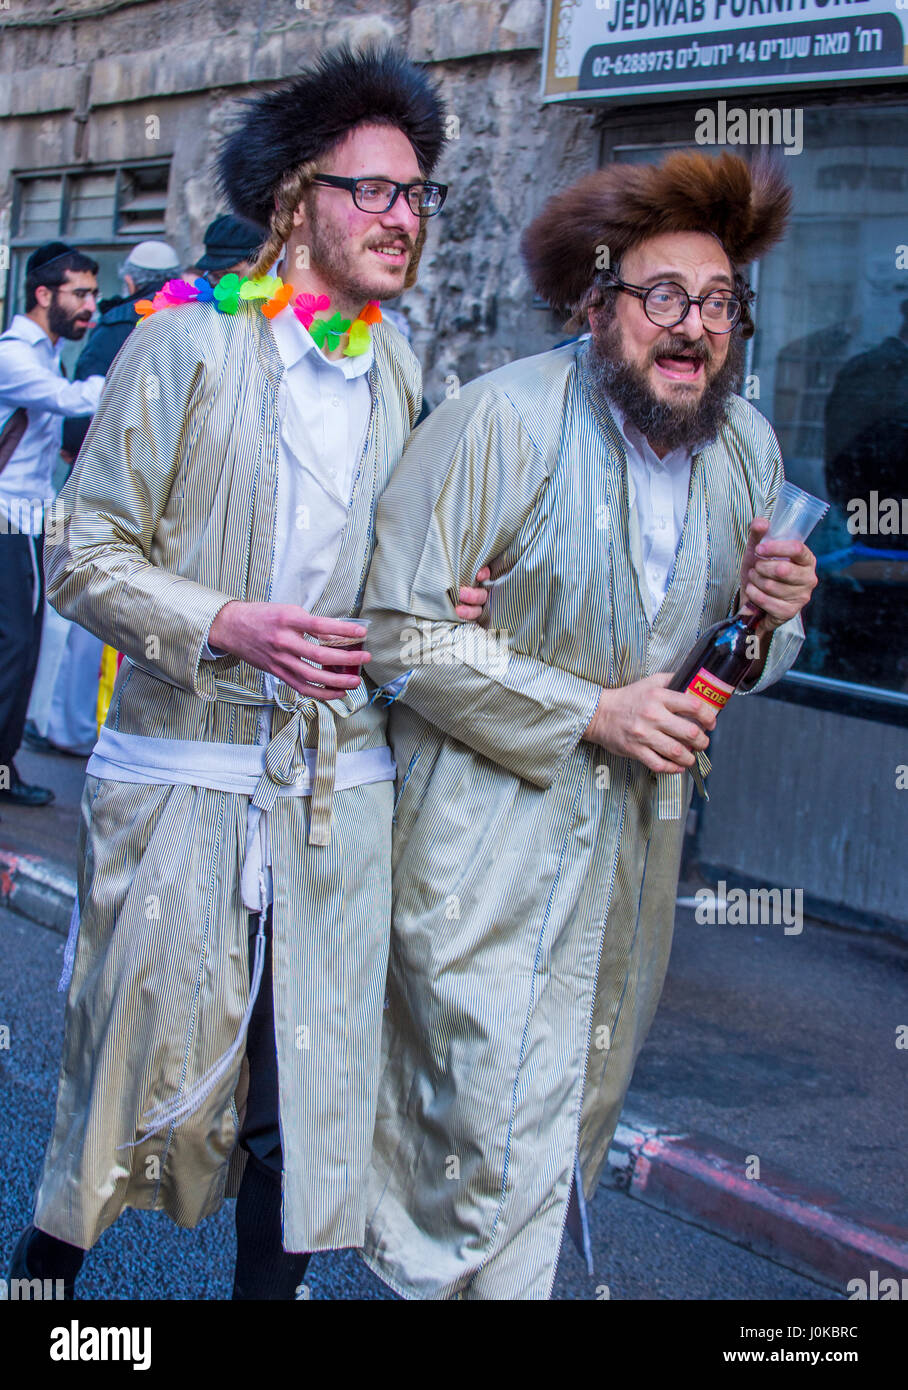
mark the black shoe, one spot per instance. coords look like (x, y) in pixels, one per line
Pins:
(18, 1265)
(34, 740)
(25, 793)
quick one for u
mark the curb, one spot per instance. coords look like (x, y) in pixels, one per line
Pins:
(36, 889)
(808, 1230)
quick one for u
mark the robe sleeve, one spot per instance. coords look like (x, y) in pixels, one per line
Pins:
(468, 481)
(99, 573)
(787, 640)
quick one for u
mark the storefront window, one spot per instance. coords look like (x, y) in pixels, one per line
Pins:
(829, 369)
(831, 358)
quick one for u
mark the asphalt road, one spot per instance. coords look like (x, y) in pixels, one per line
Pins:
(639, 1253)
(49, 831)
(786, 1047)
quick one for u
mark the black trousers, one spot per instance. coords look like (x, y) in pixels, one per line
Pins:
(20, 634)
(264, 1269)
(261, 1131)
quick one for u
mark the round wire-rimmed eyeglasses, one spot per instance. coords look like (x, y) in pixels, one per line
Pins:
(668, 304)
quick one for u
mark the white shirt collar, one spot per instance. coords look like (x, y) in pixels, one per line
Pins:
(294, 341)
(21, 326)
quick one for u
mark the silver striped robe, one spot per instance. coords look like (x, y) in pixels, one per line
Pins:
(534, 875)
(170, 512)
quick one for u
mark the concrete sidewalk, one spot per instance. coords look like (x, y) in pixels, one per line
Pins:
(38, 847)
(46, 831)
(767, 1105)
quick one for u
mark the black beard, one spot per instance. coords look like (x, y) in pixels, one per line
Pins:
(64, 325)
(665, 426)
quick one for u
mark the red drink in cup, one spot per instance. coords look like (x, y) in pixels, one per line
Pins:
(351, 643)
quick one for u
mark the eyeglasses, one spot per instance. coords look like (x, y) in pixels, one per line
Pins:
(82, 292)
(379, 195)
(668, 304)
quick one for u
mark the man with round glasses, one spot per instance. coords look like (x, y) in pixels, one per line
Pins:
(667, 304)
(618, 488)
(669, 369)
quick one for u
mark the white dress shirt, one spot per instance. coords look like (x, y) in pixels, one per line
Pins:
(657, 493)
(30, 376)
(324, 408)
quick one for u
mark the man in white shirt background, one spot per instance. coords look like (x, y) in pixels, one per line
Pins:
(60, 288)
(62, 714)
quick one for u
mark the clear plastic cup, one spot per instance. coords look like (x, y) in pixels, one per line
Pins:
(795, 514)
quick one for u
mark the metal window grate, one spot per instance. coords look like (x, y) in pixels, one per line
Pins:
(142, 200)
(91, 206)
(91, 202)
(39, 208)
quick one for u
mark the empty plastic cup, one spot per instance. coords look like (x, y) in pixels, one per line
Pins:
(795, 514)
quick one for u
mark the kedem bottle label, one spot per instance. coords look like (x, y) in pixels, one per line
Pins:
(710, 688)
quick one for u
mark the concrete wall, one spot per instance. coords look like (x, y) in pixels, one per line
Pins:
(77, 87)
(807, 799)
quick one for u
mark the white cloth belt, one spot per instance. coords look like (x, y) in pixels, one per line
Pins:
(227, 767)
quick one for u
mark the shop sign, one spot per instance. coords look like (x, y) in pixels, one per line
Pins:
(623, 48)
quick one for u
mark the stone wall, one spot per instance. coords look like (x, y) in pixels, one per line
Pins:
(79, 83)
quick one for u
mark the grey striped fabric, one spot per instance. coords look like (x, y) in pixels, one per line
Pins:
(534, 879)
(170, 512)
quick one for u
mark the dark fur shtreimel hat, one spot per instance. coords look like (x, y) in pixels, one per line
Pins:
(303, 119)
(745, 206)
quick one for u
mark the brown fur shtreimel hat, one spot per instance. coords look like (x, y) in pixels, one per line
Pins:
(746, 206)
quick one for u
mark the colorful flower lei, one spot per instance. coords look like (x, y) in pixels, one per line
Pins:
(275, 296)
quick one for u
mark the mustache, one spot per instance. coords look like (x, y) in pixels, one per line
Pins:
(403, 240)
(697, 350)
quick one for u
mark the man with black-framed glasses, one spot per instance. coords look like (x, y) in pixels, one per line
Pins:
(618, 489)
(226, 971)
